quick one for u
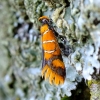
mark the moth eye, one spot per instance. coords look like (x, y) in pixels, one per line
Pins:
(45, 21)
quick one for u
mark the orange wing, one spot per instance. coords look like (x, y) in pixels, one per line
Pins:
(53, 67)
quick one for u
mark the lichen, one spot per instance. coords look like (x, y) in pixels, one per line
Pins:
(95, 90)
(77, 21)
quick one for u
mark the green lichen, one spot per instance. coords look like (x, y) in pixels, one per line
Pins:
(34, 9)
(95, 90)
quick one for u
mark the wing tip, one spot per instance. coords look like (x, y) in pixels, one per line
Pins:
(54, 78)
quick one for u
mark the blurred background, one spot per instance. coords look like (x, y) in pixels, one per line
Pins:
(21, 53)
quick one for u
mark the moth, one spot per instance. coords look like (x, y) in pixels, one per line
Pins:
(53, 67)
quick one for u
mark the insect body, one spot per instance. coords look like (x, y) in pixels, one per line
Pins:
(52, 66)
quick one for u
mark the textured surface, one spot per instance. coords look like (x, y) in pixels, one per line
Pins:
(20, 48)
